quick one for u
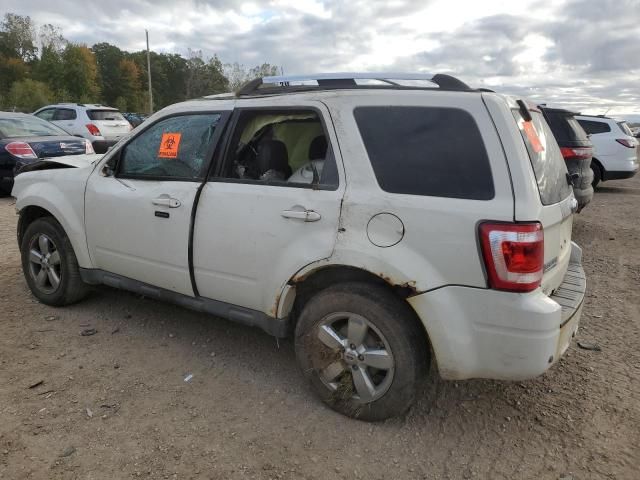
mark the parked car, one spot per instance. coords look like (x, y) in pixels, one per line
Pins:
(25, 139)
(576, 148)
(615, 156)
(134, 119)
(102, 126)
(347, 214)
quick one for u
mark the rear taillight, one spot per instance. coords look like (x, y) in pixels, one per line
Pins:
(578, 153)
(88, 148)
(20, 150)
(513, 255)
(93, 130)
(625, 142)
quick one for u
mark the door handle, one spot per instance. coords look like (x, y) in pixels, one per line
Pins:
(306, 215)
(166, 201)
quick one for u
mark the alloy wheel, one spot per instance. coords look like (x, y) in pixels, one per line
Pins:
(356, 361)
(44, 263)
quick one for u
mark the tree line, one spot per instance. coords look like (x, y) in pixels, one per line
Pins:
(38, 66)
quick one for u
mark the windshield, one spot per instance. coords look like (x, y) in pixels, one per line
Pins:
(28, 127)
(105, 115)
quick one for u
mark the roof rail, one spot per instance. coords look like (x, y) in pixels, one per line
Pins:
(325, 81)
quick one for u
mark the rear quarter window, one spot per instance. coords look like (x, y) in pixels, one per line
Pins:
(546, 159)
(429, 151)
(593, 127)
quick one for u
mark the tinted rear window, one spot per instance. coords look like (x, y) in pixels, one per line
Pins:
(565, 127)
(426, 151)
(547, 161)
(594, 127)
(104, 115)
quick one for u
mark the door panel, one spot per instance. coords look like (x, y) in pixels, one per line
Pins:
(260, 221)
(245, 250)
(138, 221)
(128, 233)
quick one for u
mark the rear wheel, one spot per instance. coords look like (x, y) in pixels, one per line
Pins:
(50, 265)
(597, 174)
(362, 350)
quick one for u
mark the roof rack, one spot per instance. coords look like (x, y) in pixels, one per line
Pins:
(339, 80)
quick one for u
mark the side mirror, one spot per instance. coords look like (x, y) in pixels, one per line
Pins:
(107, 171)
(109, 168)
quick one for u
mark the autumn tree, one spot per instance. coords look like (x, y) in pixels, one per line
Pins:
(131, 86)
(80, 74)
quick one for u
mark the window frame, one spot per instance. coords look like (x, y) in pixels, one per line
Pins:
(206, 168)
(222, 160)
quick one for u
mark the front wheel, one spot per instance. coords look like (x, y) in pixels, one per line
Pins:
(362, 350)
(50, 265)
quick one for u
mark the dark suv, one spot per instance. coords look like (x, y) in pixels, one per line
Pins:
(576, 149)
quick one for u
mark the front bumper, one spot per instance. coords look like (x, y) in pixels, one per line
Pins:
(482, 333)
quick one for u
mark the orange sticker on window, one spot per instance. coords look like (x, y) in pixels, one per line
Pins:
(533, 137)
(169, 145)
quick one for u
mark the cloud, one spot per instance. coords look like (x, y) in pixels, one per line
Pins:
(581, 54)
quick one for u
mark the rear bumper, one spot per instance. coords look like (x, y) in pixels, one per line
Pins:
(482, 333)
(101, 146)
(619, 175)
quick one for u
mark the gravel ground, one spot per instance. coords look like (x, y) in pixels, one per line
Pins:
(116, 405)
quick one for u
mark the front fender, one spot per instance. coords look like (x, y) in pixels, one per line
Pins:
(61, 193)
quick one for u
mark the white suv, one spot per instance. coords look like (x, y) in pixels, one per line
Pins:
(102, 126)
(384, 226)
(614, 156)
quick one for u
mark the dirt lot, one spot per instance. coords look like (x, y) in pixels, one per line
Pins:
(115, 404)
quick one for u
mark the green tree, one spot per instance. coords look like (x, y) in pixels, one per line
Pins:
(28, 95)
(108, 58)
(80, 73)
(50, 69)
(204, 78)
(17, 37)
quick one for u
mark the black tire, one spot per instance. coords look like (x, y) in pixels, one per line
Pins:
(597, 174)
(393, 321)
(70, 287)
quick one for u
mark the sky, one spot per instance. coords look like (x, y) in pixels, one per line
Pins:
(579, 54)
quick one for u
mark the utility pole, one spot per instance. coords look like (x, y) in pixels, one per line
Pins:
(149, 74)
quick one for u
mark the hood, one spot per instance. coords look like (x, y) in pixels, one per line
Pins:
(77, 161)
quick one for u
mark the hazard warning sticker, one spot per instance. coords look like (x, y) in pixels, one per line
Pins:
(533, 137)
(169, 145)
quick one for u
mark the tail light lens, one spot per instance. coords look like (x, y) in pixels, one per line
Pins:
(93, 130)
(513, 255)
(625, 142)
(88, 148)
(577, 153)
(20, 150)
